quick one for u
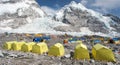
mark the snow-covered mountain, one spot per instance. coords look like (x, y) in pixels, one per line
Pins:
(26, 16)
(82, 19)
(15, 13)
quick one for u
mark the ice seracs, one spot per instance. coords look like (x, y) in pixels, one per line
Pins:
(74, 19)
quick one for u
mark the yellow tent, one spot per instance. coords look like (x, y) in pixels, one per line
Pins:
(40, 48)
(117, 42)
(56, 50)
(27, 47)
(8, 45)
(102, 39)
(38, 35)
(17, 46)
(81, 52)
(28, 35)
(101, 52)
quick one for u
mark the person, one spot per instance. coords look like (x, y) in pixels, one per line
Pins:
(111, 41)
(71, 54)
(65, 41)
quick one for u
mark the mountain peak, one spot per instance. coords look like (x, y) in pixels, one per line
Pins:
(73, 2)
(80, 18)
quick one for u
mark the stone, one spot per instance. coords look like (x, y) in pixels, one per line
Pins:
(1, 54)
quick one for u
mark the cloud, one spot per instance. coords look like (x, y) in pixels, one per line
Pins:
(48, 10)
(84, 2)
(107, 4)
(102, 10)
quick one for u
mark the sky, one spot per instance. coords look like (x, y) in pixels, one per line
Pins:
(102, 6)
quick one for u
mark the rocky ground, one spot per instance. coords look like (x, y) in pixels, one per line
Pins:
(28, 58)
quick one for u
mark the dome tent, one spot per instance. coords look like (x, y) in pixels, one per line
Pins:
(116, 40)
(17, 46)
(38, 39)
(8, 45)
(56, 50)
(101, 52)
(40, 48)
(27, 47)
(81, 52)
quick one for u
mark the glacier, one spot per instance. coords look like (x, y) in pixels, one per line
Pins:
(46, 24)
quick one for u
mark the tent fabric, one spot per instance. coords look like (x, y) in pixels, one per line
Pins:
(37, 39)
(27, 47)
(38, 35)
(56, 50)
(8, 45)
(46, 37)
(65, 41)
(102, 53)
(71, 40)
(28, 35)
(117, 42)
(81, 52)
(101, 39)
(82, 38)
(17, 46)
(40, 48)
(97, 41)
(115, 39)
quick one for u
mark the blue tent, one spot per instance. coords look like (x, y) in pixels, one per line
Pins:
(46, 37)
(72, 39)
(96, 41)
(115, 39)
(37, 39)
(82, 38)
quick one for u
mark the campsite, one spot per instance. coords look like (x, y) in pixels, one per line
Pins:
(58, 50)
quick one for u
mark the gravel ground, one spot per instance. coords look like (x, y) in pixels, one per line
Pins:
(28, 58)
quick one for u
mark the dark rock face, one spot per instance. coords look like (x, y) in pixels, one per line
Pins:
(77, 18)
(116, 23)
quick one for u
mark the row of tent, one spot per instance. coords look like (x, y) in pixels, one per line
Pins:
(39, 48)
(99, 52)
(96, 40)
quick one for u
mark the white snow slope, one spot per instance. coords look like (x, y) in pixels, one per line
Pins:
(79, 6)
(46, 24)
(12, 8)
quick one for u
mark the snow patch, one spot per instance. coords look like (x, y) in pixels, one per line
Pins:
(41, 25)
(5, 28)
(86, 30)
(6, 22)
(29, 20)
(41, 13)
(30, 2)
(4, 0)
(12, 8)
